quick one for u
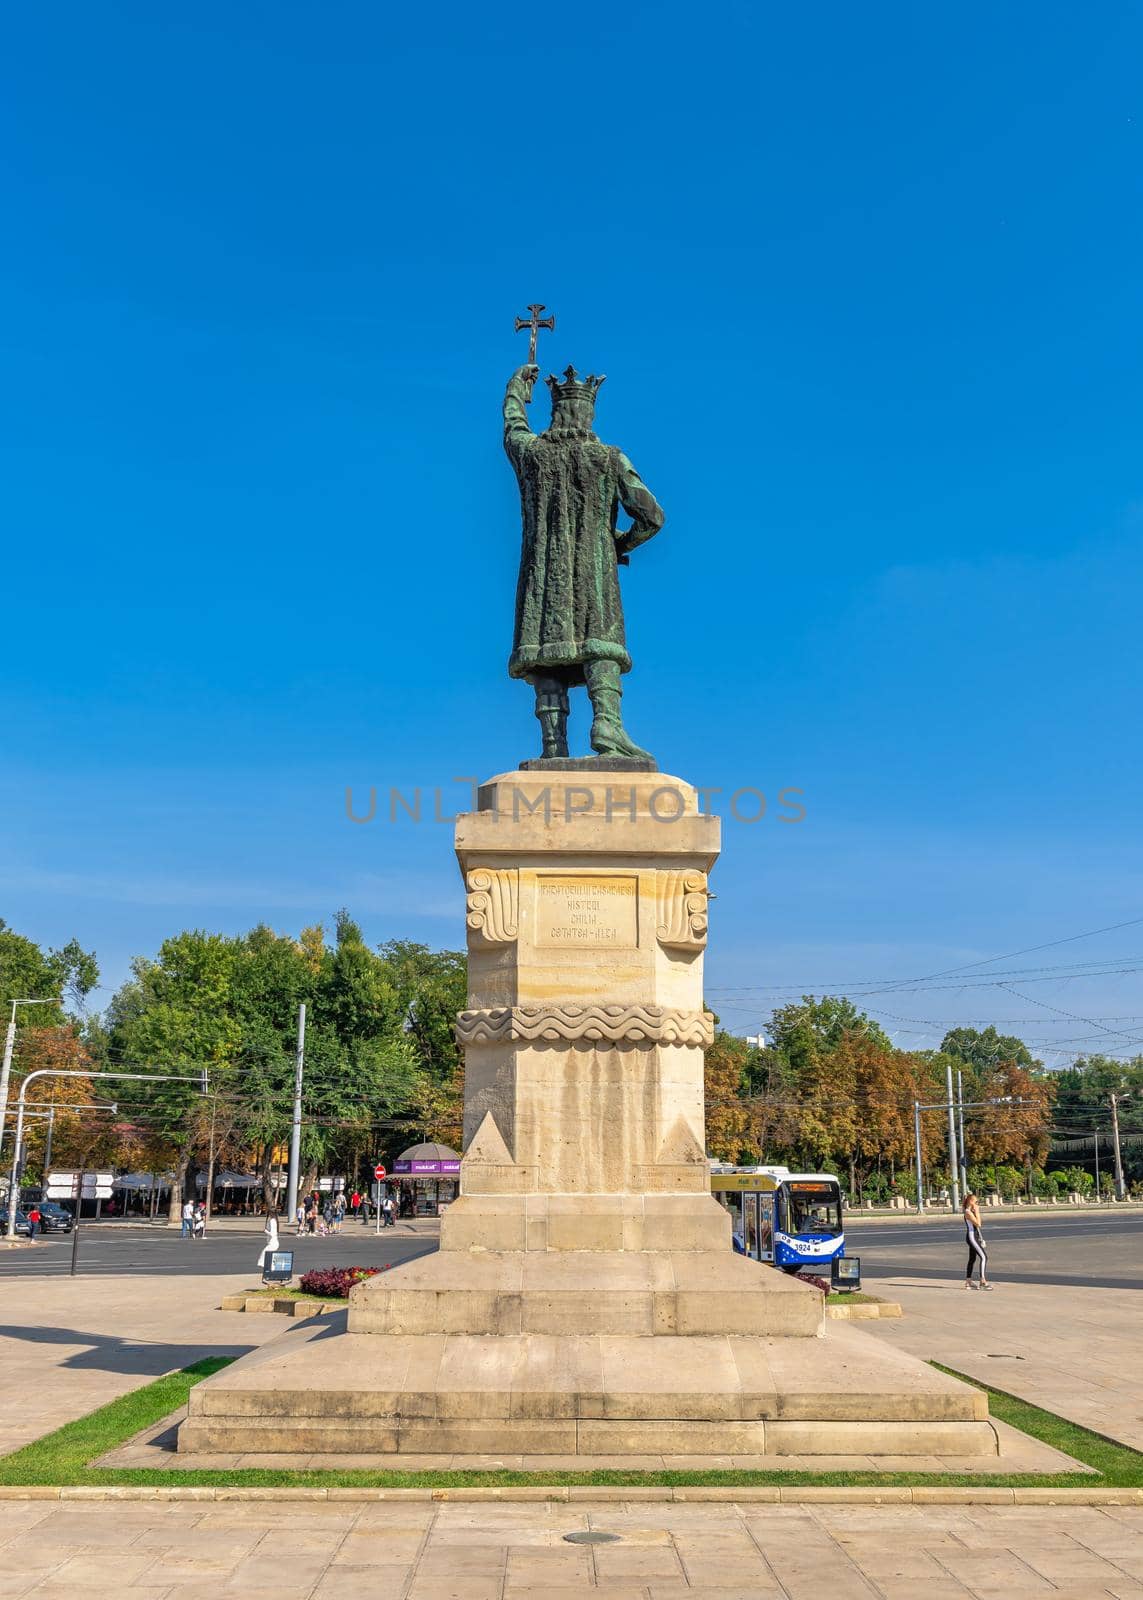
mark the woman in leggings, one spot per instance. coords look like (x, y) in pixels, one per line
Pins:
(975, 1240)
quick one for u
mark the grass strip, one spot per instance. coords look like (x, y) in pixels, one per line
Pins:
(62, 1457)
(1121, 1466)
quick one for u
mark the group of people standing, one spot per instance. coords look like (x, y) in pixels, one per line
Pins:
(193, 1220)
(320, 1214)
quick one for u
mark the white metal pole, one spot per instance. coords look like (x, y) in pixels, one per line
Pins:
(1096, 1142)
(66, 1072)
(920, 1169)
(1120, 1185)
(6, 1069)
(954, 1178)
(296, 1128)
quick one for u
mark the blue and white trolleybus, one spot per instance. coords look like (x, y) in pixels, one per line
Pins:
(792, 1219)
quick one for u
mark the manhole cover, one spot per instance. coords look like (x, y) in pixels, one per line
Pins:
(592, 1537)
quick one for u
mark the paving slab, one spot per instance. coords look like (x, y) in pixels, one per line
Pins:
(68, 1345)
(1073, 1351)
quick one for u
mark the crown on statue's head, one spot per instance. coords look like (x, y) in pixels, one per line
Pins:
(574, 387)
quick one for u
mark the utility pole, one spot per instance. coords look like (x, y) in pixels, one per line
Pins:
(1120, 1186)
(1096, 1164)
(960, 1121)
(296, 1130)
(210, 1161)
(953, 1178)
(920, 1169)
(9, 1047)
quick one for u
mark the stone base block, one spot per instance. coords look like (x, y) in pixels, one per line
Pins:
(641, 1293)
(603, 1222)
(590, 1395)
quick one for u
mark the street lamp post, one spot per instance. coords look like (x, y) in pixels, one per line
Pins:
(9, 1046)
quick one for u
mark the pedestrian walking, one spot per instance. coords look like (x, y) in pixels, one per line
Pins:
(33, 1221)
(355, 1202)
(198, 1222)
(271, 1232)
(338, 1213)
(389, 1207)
(188, 1220)
(974, 1238)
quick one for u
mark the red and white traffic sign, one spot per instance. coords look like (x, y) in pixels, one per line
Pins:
(378, 1171)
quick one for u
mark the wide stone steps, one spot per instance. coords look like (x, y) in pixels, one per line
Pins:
(585, 1394)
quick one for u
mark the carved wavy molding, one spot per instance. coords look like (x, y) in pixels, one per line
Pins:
(573, 1024)
(683, 907)
(493, 903)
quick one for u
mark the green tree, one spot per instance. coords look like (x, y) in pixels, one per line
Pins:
(985, 1048)
(29, 973)
(175, 1015)
(727, 1112)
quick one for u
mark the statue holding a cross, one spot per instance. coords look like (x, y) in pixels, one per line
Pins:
(569, 614)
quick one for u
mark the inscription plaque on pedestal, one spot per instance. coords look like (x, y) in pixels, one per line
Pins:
(584, 910)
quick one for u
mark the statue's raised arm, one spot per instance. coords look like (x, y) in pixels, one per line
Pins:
(517, 429)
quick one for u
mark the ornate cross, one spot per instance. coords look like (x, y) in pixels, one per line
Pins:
(534, 323)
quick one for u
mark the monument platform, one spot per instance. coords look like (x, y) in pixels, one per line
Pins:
(585, 1394)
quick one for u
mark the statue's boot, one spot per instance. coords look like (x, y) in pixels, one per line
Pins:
(608, 735)
(552, 713)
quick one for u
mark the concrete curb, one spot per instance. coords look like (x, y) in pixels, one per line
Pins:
(570, 1494)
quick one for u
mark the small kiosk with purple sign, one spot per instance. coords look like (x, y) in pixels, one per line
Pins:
(430, 1174)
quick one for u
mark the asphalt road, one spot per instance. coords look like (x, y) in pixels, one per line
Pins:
(111, 1250)
(1093, 1251)
(1098, 1250)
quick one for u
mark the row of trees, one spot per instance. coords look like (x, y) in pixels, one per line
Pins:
(829, 1091)
(382, 1069)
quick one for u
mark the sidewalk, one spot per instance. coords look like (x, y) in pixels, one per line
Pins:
(68, 1345)
(1073, 1351)
(502, 1552)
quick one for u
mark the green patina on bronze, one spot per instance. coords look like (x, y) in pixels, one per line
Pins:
(569, 613)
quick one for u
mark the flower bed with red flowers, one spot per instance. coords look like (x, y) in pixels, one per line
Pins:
(334, 1283)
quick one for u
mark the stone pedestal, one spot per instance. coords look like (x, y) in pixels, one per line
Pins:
(583, 1102)
(586, 1297)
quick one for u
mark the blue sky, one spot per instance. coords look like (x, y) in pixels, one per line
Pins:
(866, 283)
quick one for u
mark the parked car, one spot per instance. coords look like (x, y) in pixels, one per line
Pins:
(55, 1218)
(22, 1223)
